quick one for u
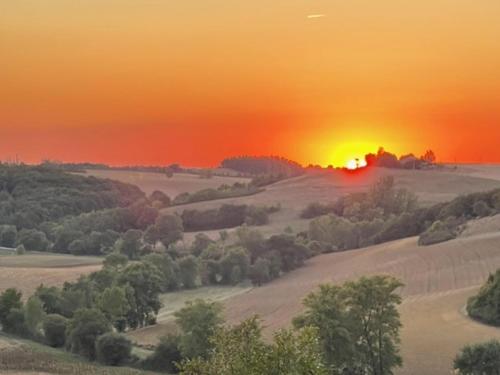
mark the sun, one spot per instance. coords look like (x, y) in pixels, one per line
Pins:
(356, 164)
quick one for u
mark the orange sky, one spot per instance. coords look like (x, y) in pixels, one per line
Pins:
(193, 81)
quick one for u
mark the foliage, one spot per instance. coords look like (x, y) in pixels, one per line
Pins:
(479, 359)
(240, 350)
(10, 299)
(198, 320)
(84, 329)
(188, 271)
(358, 324)
(485, 305)
(8, 235)
(34, 315)
(167, 229)
(113, 349)
(436, 233)
(143, 282)
(167, 353)
(263, 165)
(238, 189)
(36, 194)
(54, 328)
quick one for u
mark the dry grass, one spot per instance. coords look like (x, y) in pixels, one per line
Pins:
(47, 260)
(295, 194)
(27, 279)
(179, 183)
(173, 302)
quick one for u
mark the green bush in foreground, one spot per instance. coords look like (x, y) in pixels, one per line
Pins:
(479, 359)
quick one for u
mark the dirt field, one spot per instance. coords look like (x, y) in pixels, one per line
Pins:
(179, 183)
(438, 279)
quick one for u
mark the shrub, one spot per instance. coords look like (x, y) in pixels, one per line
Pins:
(84, 329)
(479, 359)
(113, 349)
(485, 306)
(54, 329)
(438, 232)
(20, 250)
(167, 353)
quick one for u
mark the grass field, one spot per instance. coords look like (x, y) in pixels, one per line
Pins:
(172, 302)
(27, 272)
(23, 357)
(179, 183)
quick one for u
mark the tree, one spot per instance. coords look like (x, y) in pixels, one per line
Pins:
(84, 329)
(10, 299)
(167, 229)
(259, 272)
(168, 268)
(8, 236)
(240, 350)
(358, 324)
(188, 271)
(198, 320)
(115, 260)
(130, 244)
(200, 243)
(167, 353)
(374, 319)
(429, 157)
(327, 311)
(34, 315)
(143, 285)
(485, 305)
(20, 250)
(113, 349)
(33, 240)
(479, 359)
(234, 266)
(161, 197)
(64, 236)
(114, 304)
(54, 329)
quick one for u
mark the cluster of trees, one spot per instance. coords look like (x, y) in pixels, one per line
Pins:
(32, 195)
(479, 359)
(88, 316)
(226, 216)
(264, 165)
(349, 329)
(238, 189)
(386, 159)
(385, 213)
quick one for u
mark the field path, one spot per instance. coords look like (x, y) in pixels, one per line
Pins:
(438, 280)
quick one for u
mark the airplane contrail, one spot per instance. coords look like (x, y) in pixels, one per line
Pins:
(311, 16)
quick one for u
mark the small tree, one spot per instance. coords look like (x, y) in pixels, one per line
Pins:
(34, 315)
(20, 250)
(54, 328)
(115, 260)
(479, 359)
(84, 329)
(113, 349)
(198, 320)
(188, 270)
(10, 299)
(167, 353)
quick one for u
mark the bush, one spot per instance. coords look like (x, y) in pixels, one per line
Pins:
(485, 306)
(54, 329)
(438, 232)
(479, 359)
(20, 250)
(10, 299)
(84, 329)
(113, 349)
(15, 323)
(33, 240)
(167, 353)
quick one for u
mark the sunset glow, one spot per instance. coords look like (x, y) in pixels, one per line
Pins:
(322, 82)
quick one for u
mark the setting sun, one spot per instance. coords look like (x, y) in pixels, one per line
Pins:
(356, 163)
